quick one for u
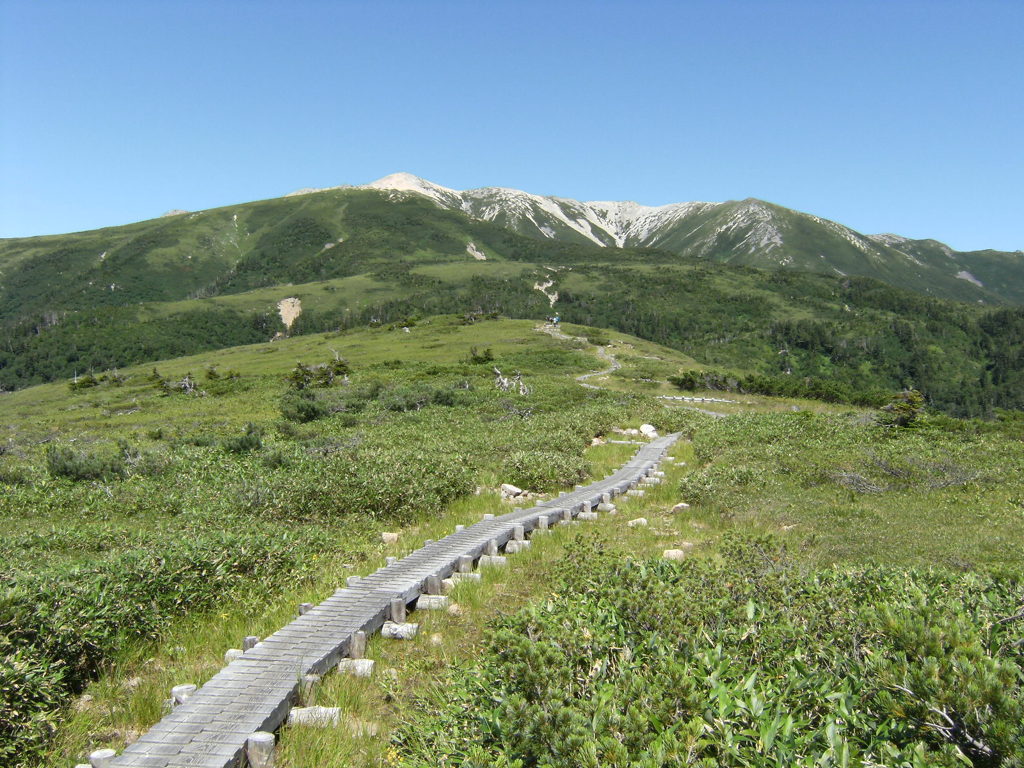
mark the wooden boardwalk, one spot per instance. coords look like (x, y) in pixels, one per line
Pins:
(256, 691)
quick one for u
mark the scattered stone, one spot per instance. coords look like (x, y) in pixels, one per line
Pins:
(356, 667)
(674, 554)
(231, 654)
(597, 441)
(682, 506)
(605, 507)
(436, 639)
(509, 491)
(305, 608)
(388, 537)
(83, 702)
(648, 430)
(588, 516)
(639, 522)
(132, 683)
(359, 727)
(447, 585)
(394, 631)
(431, 603)
(454, 609)
(315, 717)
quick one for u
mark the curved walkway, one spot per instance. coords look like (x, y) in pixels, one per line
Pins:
(256, 691)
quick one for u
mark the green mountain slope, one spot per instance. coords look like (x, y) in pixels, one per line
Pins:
(352, 257)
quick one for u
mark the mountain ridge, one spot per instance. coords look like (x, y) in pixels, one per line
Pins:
(751, 232)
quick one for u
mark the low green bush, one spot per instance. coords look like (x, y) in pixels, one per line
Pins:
(741, 661)
(543, 470)
(63, 461)
(250, 440)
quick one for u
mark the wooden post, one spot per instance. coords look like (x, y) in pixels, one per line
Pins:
(305, 608)
(518, 532)
(433, 585)
(259, 750)
(465, 564)
(542, 523)
(398, 610)
(307, 688)
(357, 645)
(249, 642)
(491, 548)
(352, 581)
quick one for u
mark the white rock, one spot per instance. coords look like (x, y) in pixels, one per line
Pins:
(431, 603)
(639, 522)
(674, 554)
(680, 507)
(493, 560)
(356, 667)
(589, 516)
(648, 430)
(454, 609)
(389, 538)
(509, 491)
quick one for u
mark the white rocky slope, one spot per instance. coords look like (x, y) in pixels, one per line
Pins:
(750, 232)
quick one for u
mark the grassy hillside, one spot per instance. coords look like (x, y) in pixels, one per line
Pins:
(111, 298)
(268, 489)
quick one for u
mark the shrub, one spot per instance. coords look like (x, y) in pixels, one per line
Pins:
(738, 661)
(302, 406)
(903, 410)
(541, 470)
(32, 695)
(62, 461)
(250, 440)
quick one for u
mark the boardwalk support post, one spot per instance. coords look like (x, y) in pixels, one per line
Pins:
(259, 750)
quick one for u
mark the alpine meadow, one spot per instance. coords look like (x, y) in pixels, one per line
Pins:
(219, 424)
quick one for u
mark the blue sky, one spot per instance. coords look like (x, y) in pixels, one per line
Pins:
(893, 116)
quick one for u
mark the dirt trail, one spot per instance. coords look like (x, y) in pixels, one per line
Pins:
(608, 357)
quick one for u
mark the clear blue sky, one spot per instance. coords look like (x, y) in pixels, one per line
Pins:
(890, 116)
